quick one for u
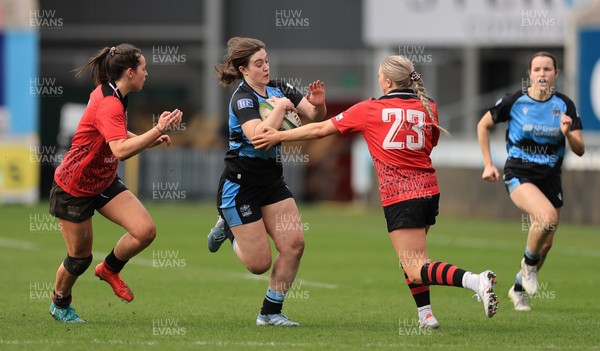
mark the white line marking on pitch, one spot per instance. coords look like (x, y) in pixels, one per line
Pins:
(150, 263)
(299, 281)
(261, 343)
(16, 244)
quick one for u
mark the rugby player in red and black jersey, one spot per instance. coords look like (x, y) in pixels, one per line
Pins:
(87, 180)
(401, 129)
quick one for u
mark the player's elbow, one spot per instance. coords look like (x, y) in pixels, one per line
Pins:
(577, 146)
(321, 133)
(580, 151)
(323, 129)
(120, 154)
(118, 149)
(320, 115)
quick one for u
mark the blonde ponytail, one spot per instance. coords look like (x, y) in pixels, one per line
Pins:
(401, 71)
(419, 89)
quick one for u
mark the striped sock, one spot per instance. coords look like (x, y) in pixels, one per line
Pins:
(273, 302)
(531, 258)
(519, 283)
(419, 292)
(442, 273)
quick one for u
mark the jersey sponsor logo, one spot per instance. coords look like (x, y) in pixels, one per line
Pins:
(339, 117)
(541, 130)
(244, 103)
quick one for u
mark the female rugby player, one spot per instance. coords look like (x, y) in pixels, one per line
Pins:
(253, 198)
(87, 180)
(539, 121)
(401, 129)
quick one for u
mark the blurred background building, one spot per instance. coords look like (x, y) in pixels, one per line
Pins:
(470, 52)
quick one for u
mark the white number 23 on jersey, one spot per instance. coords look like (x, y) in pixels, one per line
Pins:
(415, 120)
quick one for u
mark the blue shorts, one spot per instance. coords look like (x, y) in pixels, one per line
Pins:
(241, 204)
(550, 186)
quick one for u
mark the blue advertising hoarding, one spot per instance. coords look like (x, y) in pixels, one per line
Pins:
(589, 78)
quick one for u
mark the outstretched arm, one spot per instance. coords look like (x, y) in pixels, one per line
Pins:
(161, 139)
(125, 148)
(271, 137)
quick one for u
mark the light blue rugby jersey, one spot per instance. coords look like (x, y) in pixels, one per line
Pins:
(534, 142)
(243, 160)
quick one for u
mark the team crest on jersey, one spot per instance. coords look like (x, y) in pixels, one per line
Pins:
(525, 110)
(243, 103)
(556, 112)
(245, 210)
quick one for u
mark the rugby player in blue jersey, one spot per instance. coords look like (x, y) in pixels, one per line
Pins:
(540, 121)
(253, 199)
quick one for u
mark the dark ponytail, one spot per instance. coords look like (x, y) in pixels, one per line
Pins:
(239, 51)
(110, 63)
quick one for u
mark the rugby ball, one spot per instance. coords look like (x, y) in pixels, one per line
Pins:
(291, 119)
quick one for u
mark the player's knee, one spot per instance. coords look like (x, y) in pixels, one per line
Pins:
(150, 233)
(549, 227)
(296, 247)
(292, 247)
(76, 266)
(547, 221)
(552, 222)
(146, 233)
(259, 265)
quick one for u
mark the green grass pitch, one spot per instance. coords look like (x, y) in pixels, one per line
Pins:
(350, 293)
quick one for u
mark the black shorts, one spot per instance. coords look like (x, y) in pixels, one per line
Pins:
(414, 213)
(77, 209)
(241, 204)
(550, 186)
